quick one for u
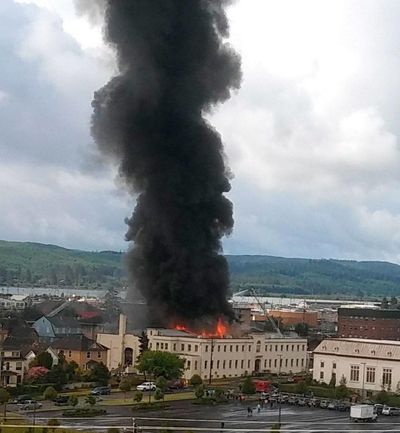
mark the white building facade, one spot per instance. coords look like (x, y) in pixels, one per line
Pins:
(231, 357)
(367, 365)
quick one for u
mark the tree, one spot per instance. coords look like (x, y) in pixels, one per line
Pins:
(143, 343)
(73, 400)
(125, 387)
(343, 380)
(393, 302)
(301, 387)
(158, 363)
(332, 382)
(50, 393)
(138, 396)
(162, 383)
(99, 373)
(382, 397)
(4, 398)
(90, 400)
(302, 329)
(199, 391)
(196, 380)
(248, 386)
(158, 394)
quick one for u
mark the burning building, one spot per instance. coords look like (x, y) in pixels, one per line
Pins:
(215, 355)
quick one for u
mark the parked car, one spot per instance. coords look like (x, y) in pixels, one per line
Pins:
(391, 411)
(292, 400)
(333, 405)
(313, 402)
(301, 401)
(29, 405)
(21, 399)
(378, 408)
(62, 400)
(101, 390)
(146, 386)
(343, 406)
(324, 404)
(176, 384)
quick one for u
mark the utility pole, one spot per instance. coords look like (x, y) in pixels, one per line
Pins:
(279, 395)
(211, 361)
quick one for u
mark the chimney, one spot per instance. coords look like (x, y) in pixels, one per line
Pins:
(122, 324)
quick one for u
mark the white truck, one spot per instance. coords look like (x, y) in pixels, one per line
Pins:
(363, 413)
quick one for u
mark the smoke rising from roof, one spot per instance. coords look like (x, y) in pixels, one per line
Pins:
(174, 66)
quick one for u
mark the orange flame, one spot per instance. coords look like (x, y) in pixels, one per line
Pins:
(219, 332)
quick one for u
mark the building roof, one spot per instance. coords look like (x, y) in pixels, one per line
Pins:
(376, 313)
(64, 322)
(78, 342)
(360, 348)
(174, 333)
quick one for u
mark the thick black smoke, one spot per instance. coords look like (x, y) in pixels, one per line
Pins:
(173, 67)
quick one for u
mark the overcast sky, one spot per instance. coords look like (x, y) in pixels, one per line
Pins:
(312, 137)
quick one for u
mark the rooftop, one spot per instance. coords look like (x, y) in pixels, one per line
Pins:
(78, 342)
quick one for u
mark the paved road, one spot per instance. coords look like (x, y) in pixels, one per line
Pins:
(191, 417)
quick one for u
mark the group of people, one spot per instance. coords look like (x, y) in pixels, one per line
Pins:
(262, 403)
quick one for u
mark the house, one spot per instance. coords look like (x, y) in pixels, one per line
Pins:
(14, 302)
(366, 365)
(50, 328)
(80, 349)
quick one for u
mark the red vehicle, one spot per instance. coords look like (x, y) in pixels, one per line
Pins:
(262, 385)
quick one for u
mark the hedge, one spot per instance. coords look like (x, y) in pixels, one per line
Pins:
(84, 412)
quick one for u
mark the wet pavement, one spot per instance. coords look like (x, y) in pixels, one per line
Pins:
(184, 416)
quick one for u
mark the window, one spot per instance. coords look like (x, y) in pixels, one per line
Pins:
(298, 347)
(225, 348)
(87, 354)
(219, 348)
(280, 362)
(230, 363)
(205, 365)
(354, 373)
(196, 348)
(206, 348)
(69, 354)
(223, 364)
(287, 348)
(162, 346)
(218, 363)
(241, 363)
(237, 348)
(322, 364)
(302, 363)
(249, 348)
(188, 364)
(195, 365)
(18, 365)
(303, 347)
(174, 347)
(286, 362)
(258, 346)
(321, 375)
(189, 347)
(166, 346)
(334, 365)
(230, 348)
(270, 363)
(292, 347)
(15, 354)
(98, 354)
(236, 363)
(297, 362)
(275, 362)
(291, 362)
(243, 348)
(182, 347)
(276, 347)
(157, 345)
(370, 377)
(248, 364)
(387, 376)
(281, 347)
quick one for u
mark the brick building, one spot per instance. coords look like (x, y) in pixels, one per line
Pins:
(293, 317)
(372, 323)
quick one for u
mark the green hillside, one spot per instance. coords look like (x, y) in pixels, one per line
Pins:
(33, 264)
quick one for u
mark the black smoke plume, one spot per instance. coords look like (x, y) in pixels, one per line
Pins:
(174, 66)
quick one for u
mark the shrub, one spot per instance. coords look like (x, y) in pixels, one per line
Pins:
(90, 400)
(138, 396)
(84, 412)
(50, 393)
(248, 387)
(196, 380)
(199, 392)
(73, 400)
(158, 394)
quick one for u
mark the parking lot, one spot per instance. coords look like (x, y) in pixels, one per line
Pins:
(185, 416)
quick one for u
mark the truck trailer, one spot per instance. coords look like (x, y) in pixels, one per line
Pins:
(363, 413)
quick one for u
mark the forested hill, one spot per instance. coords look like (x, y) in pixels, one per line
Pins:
(33, 264)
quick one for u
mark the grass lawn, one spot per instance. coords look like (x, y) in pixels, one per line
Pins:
(129, 401)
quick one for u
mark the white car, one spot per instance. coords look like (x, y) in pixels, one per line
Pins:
(146, 386)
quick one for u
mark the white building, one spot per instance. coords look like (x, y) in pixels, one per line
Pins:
(232, 357)
(367, 365)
